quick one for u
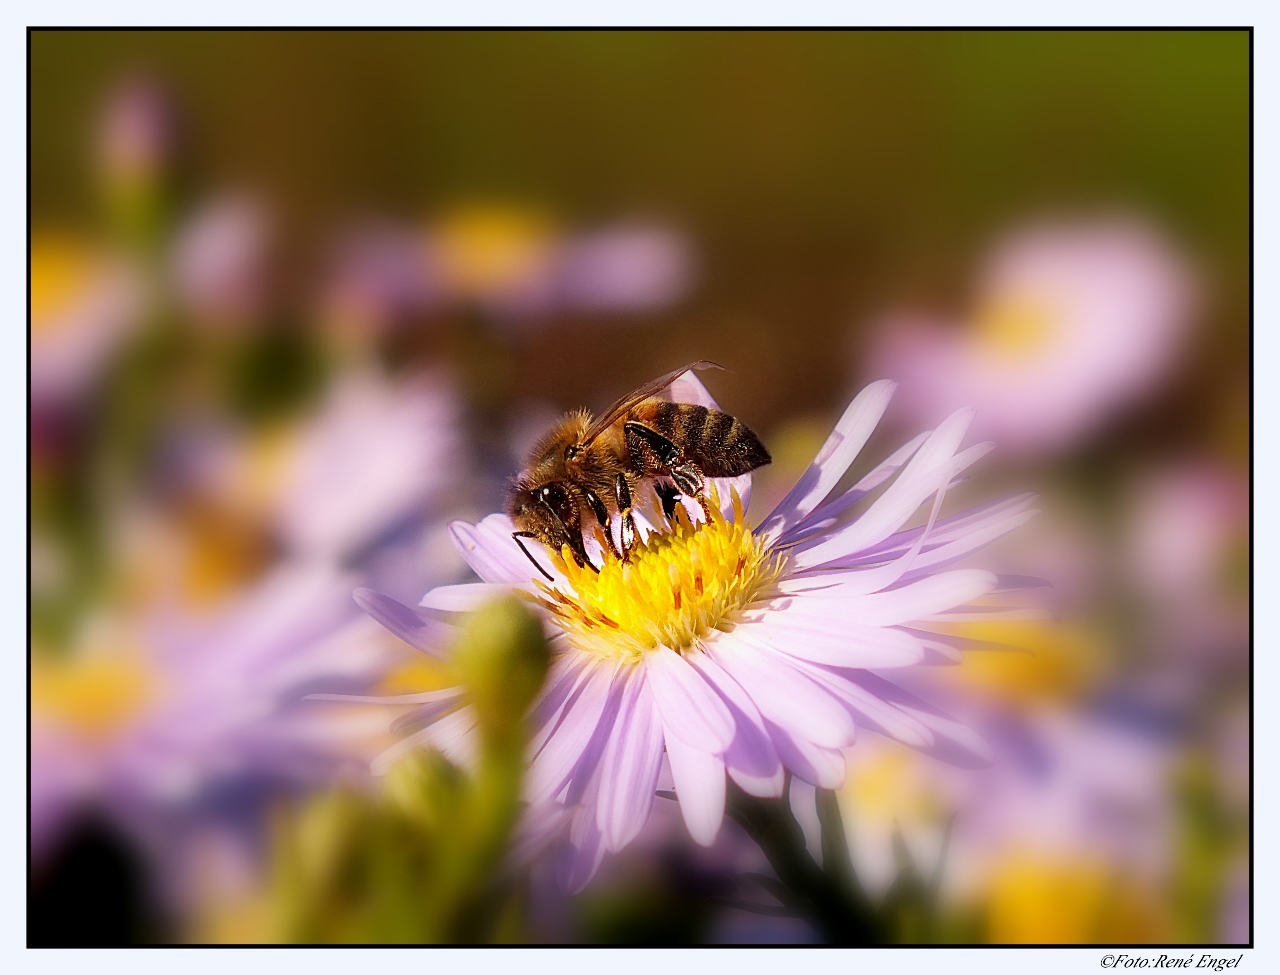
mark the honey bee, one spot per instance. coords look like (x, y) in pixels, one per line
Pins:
(590, 468)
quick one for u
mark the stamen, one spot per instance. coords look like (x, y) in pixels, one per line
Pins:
(678, 587)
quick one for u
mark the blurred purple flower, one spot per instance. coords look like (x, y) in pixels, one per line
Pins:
(378, 453)
(136, 131)
(157, 708)
(381, 276)
(773, 633)
(514, 263)
(624, 269)
(377, 456)
(1072, 322)
(219, 261)
(1188, 522)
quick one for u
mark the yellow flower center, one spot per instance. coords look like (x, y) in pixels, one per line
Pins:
(678, 587)
(1015, 328)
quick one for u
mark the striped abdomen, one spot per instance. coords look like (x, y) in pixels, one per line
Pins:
(721, 445)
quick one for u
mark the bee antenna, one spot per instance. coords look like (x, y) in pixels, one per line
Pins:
(528, 555)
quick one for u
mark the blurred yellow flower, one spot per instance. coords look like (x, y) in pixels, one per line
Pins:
(1034, 900)
(92, 694)
(1062, 659)
(63, 270)
(488, 250)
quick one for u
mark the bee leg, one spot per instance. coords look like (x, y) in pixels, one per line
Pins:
(519, 535)
(691, 482)
(602, 516)
(623, 493)
(670, 497)
(639, 436)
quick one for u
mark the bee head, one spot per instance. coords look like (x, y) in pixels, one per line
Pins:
(549, 512)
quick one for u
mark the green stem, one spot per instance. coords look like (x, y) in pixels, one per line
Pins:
(830, 898)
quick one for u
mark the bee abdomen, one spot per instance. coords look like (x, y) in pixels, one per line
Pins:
(720, 444)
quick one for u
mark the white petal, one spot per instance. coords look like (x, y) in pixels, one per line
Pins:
(783, 694)
(841, 448)
(629, 771)
(699, 782)
(690, 709)
(465, 598)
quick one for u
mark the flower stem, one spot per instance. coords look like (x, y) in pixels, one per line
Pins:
(827, 895)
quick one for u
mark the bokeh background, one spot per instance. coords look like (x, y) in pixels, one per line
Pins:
(299, 299)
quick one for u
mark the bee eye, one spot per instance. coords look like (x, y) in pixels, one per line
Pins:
(555, 498)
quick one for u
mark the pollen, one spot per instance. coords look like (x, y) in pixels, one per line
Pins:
(678, 586)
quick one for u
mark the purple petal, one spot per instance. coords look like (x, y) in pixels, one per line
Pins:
(584, 772)
(813, 763)
(464, 598)
(428, 635)
(950, 648)
(751, 760)
(452, 736)
(566, 676)
(887, 513)
(690, 709)
(494, 555)
(585, 847)
(881, 473)
(821, 632)
(583, 716)
(947, 554)
(699, 782)
(987, 614)
(921, 599)
(781, 691)
(954, 742)
(423, 697)
(949, 529)
(869, 710)
(629, 772)
(846, 440)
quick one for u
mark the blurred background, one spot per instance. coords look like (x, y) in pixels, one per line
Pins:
(299, 299)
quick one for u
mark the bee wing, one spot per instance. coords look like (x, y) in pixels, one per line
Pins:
(651, 388)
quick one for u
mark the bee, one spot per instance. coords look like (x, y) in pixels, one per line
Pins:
(588, 469)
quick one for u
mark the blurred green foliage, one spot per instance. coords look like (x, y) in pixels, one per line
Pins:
(823, 175)
(423, 862)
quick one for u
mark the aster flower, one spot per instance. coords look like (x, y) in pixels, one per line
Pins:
(1069, 324)
(731, 649)
(155, 706)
